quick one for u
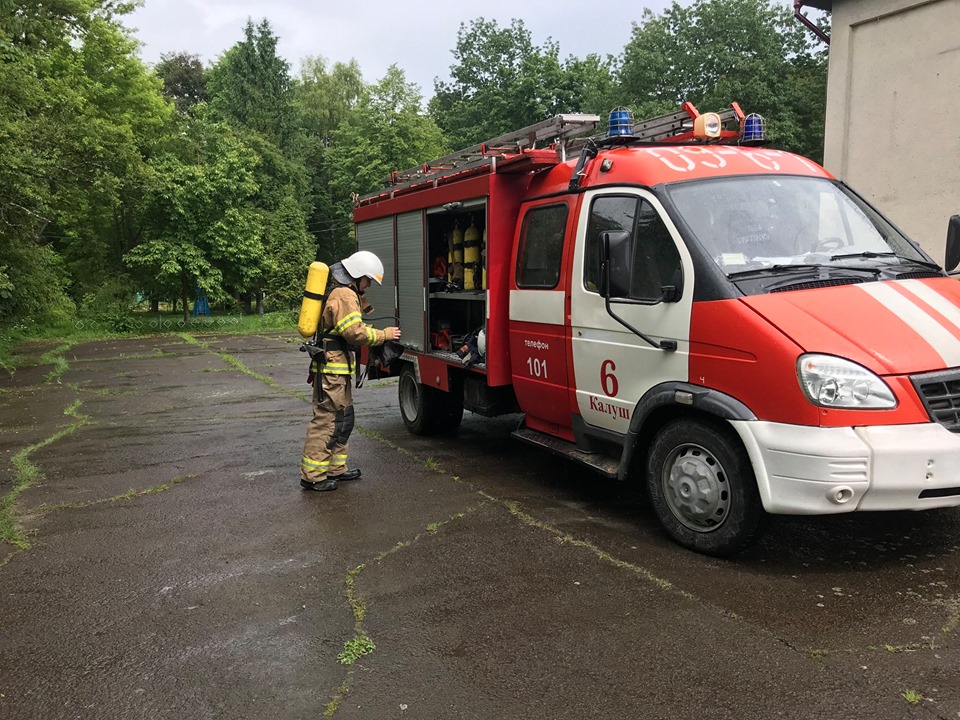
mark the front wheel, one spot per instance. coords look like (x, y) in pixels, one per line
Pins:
(703, 488)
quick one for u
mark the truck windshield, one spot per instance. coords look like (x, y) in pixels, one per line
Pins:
(753, 222)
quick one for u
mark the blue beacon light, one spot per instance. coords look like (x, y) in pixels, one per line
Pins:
(753, 128)
(621, 123)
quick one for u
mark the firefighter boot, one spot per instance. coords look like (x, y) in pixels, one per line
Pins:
(328, 484)
(349, 475)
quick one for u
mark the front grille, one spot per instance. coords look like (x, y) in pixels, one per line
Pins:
(817, 284)
(940, 393)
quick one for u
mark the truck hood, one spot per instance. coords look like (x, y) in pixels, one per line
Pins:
(892, 327)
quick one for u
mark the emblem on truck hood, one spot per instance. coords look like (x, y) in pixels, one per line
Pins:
(894, 327)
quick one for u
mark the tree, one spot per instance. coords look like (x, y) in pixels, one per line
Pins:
(288, 250)
(324, 99)
(713, 52)
(184, 79)
(251, 90)
(501, 82)
(386, 131)
(78, 113)
(250, 87)
(201, 227)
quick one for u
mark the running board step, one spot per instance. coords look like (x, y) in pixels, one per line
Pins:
(604, 465)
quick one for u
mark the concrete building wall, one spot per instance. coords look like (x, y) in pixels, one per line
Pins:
(893, 110)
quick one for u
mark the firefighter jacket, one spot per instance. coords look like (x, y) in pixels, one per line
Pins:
(342, 322)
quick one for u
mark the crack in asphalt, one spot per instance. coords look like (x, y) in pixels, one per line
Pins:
(359, 607)
(26, 474)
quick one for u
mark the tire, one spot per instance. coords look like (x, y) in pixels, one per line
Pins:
(426, 410)
(703, 488)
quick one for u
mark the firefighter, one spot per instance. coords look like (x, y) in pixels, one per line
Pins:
(341, 332)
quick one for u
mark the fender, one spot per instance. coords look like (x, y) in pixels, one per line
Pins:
(677, 394)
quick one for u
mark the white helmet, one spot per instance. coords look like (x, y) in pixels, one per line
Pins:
(364, 263)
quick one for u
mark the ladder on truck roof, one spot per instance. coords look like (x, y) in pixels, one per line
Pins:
(565, 132)
(558, 128)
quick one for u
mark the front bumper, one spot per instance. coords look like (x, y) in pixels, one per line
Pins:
(817, 471)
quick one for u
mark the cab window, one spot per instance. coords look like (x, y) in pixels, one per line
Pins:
(656, 261)
(541, 247)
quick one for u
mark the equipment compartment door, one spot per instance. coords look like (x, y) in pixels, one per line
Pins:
(538, 311)
(410, 280)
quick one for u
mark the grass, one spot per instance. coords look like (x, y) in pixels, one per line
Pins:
(136, 324)
(236, 364)
(912, 696)
(26, 474)
(355, 648)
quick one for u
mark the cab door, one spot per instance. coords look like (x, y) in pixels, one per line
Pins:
(538, 318)
(612, 366)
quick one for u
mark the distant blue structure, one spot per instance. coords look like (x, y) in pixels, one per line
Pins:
(200, 306)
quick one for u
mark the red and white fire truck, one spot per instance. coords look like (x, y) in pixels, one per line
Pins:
(676, 304)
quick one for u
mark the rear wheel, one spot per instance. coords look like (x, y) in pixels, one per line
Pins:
(703, 488)
(426, 410)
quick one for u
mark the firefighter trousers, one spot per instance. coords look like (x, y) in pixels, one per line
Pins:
(325, 449)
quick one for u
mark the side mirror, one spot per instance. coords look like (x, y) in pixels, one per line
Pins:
(953, 244)
(670, 294)
(615, 257)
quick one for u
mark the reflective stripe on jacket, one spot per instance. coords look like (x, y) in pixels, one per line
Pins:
(342, 318)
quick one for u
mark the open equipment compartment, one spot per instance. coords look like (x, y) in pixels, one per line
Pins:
(456, 270)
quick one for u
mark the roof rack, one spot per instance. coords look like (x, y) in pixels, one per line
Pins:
(560, 128)
(672, 127)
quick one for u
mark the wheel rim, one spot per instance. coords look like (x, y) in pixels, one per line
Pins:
(410, 398)
(696, 489)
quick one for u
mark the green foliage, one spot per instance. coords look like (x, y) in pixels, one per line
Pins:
(324, 98)
(200, 225)
(250, 87)
(355, 648)
(31, 285)
(502, 82)
(912, 696)
(713, 52)
(288, 251)
(386, 131)
(184, 80)
(111, 305)
(77, 113)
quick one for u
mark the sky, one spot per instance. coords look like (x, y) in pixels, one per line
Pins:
(418, 36)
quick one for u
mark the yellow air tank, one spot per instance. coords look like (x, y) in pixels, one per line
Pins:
(450, 258)
(471, 257)
(484, 260)
(456, 252)
(313, 296)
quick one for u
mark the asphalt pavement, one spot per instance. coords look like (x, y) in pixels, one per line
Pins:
(170, 567)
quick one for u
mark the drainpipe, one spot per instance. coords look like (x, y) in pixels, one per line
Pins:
(812, 27)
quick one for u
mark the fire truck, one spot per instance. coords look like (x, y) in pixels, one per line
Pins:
(674, 303)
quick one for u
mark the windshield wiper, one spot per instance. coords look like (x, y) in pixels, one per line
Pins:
(866, 254)
(818, 266)
(870, 254)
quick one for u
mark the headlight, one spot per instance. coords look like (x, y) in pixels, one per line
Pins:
(830, 381)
